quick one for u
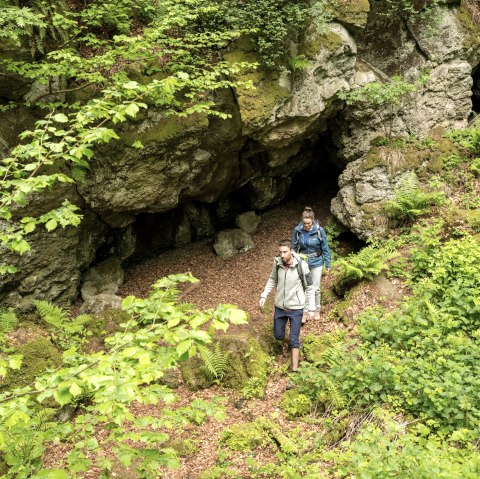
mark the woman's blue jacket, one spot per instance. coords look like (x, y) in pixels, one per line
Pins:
(308, 242)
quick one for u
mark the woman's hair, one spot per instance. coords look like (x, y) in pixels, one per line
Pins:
(308, 213)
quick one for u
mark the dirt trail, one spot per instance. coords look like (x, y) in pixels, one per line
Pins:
(238, 280)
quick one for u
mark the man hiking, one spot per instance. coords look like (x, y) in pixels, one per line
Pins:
(294, 291)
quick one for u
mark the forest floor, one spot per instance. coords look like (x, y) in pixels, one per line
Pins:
(240, 281)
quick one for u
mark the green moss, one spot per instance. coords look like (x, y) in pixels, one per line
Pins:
(317, 41)
(245, 437)
(184, 447)
(103, 325)
(425, 157)
(39, 354)
(295, 404)
(471, 218)
(219, 472)
(166, 129)
(350, 12)
(247, 366)
(247, 360)
(193, 374)
(257, 104)
(314, 346)
(472, 37)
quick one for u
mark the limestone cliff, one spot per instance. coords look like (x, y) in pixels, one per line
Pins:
(198, 171)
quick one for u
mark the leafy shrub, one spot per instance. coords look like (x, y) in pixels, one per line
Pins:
(424, 358)
(245, 437)
(295, 404)
(318, 386)
(405, 456)
(475, 166)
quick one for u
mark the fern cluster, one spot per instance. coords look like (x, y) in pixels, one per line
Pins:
(365, 264)
(411, 201)
(67, 331)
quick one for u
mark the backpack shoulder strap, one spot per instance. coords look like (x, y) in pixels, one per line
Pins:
(300, 271)
(318, 232)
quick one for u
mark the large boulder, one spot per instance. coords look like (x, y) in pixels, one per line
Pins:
(366, 183)
(232, 242)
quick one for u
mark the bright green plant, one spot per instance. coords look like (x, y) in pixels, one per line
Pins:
(475, 166)
(215, 361)
(365, 264)
(156, 338)
(385, 100)
(67, 331)
(411, 201)
(424, 357)
(318, 386)
(295, 404)
(405, 455)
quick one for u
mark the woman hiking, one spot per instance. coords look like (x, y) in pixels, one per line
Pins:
(309, 239)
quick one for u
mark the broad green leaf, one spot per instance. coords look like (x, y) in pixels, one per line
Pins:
(75, 390)
(51, 225)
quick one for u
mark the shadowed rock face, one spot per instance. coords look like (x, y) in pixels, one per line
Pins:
(201, 170)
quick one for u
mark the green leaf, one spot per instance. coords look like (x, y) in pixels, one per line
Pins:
(132, 109)
(62, 396)
(60, 118)
(29, 227)
(75, 390)
(51, 225)
(52, 474)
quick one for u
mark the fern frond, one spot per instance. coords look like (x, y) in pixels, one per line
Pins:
(215, 361)
(50, 313)
(8, 321)
(330, 393)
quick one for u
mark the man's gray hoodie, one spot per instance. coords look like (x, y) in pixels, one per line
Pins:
(289, 289)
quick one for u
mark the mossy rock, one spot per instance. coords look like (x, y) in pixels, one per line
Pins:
(247, 361)
(296, 404)
(194, 375)
(317, 41)
(258, 104)
(314, 346)
(471, 218)
(219, 472)
(471, 41)
(424, 157)
(351, 13)
(102, 325)
(167, 129)
(39, 354)
(328, 296)
(245, 437)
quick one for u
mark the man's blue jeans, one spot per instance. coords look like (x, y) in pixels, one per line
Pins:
(280, 319)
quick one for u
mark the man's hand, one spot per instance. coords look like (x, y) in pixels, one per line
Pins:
(311, 315)
(262, 302)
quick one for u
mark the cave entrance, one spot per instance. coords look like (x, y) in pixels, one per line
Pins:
(476, 90)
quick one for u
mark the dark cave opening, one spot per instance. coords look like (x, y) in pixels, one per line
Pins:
(313, 180)
(476, 90)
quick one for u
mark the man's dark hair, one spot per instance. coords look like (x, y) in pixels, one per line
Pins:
(286, 243)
